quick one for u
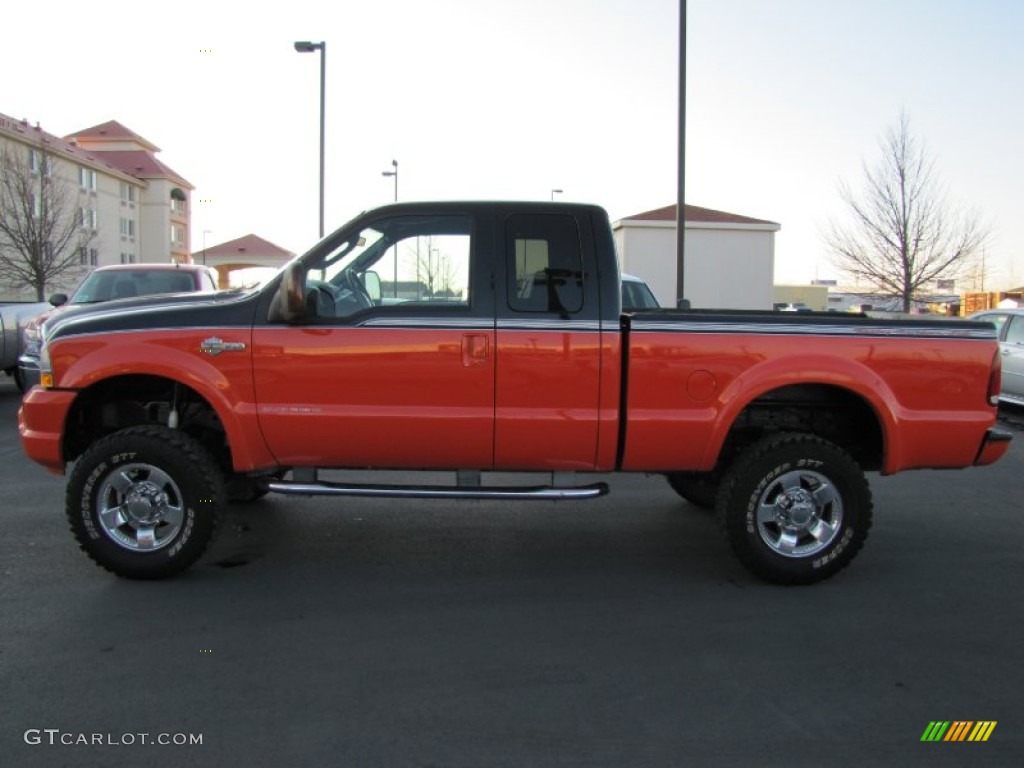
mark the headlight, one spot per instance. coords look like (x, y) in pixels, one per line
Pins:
(31, 338)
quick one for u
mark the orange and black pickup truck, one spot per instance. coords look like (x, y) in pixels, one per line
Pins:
(489, 337)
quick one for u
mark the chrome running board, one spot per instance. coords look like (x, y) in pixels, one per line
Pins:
(512, 493)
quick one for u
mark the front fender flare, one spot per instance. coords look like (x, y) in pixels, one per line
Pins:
(224, 381)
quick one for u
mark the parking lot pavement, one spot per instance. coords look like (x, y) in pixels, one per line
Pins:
(618, 632)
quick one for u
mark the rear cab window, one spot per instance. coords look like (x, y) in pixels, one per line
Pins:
(545, 266)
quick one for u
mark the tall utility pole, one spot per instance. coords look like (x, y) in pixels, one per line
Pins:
(394, 285)
(681, 201)
(304, 46)
(394, 164)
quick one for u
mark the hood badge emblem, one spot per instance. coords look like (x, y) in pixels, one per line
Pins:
(214, 346)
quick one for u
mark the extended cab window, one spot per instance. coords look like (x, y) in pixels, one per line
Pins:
(404, 262)
(545, 264)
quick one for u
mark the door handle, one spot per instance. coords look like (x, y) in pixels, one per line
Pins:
(475, 349)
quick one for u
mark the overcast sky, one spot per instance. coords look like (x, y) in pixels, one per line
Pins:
(509, 100)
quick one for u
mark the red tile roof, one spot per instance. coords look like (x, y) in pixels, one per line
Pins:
(142, 165)
(111, 131)
(72, 152)
(252, 245)
(695, 213)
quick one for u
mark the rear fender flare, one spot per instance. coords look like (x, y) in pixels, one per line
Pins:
(835, 372)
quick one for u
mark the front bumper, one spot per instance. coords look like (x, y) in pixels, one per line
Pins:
(41, 421)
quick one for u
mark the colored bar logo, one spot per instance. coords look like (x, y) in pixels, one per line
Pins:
(958, 730)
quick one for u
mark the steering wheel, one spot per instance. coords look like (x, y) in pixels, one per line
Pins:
(350, 280)
(324, 302)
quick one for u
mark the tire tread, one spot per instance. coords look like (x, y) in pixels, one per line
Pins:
(202, 463)
(734, 529)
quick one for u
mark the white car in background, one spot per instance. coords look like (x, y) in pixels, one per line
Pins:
(636, 294)
(1009, 325)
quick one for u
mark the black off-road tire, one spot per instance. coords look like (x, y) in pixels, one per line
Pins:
(795, 508)
(698, 488)
(145, 502)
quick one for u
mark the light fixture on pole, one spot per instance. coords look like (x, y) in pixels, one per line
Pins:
(555, 192)
(304, 46)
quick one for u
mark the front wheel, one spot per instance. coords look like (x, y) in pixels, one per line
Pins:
(145, 502)
(795, 508)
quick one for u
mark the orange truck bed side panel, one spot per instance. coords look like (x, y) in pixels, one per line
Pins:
(685, 391)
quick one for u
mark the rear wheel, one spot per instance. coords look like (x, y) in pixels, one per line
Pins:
(145, 502)
(795, 508)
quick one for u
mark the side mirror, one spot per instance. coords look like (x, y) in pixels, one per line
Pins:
(57, 299)
(682, 303)
(289, 303)
(371, 282)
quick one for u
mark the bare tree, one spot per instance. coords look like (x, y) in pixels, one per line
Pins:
(902, 233)
(41, 229)
(434, 268)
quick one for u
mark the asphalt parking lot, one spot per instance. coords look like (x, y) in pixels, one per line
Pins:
(618, 632)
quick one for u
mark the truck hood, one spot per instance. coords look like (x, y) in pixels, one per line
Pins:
(169, 310)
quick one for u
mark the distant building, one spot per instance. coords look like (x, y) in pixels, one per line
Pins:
(729, 259)
(138, 206)
(244, 259)
(813, 297)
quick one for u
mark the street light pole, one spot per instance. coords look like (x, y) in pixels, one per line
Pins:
(205, 233)
(681, 173)
(555, 192)
(304, 46)
(394, 164)
(394, 173)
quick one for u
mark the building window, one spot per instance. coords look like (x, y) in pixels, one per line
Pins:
(37, 162)
(127, 258)
(37, 208)
(177, 206)
(127, 193)
(87, 178)
(88, 218)
(127, 227)
(88, 257)
(177, 235)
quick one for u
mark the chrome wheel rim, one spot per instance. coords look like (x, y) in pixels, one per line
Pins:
(799, 514)
(140, 507)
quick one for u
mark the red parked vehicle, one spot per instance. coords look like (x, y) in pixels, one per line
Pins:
(479, 337)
